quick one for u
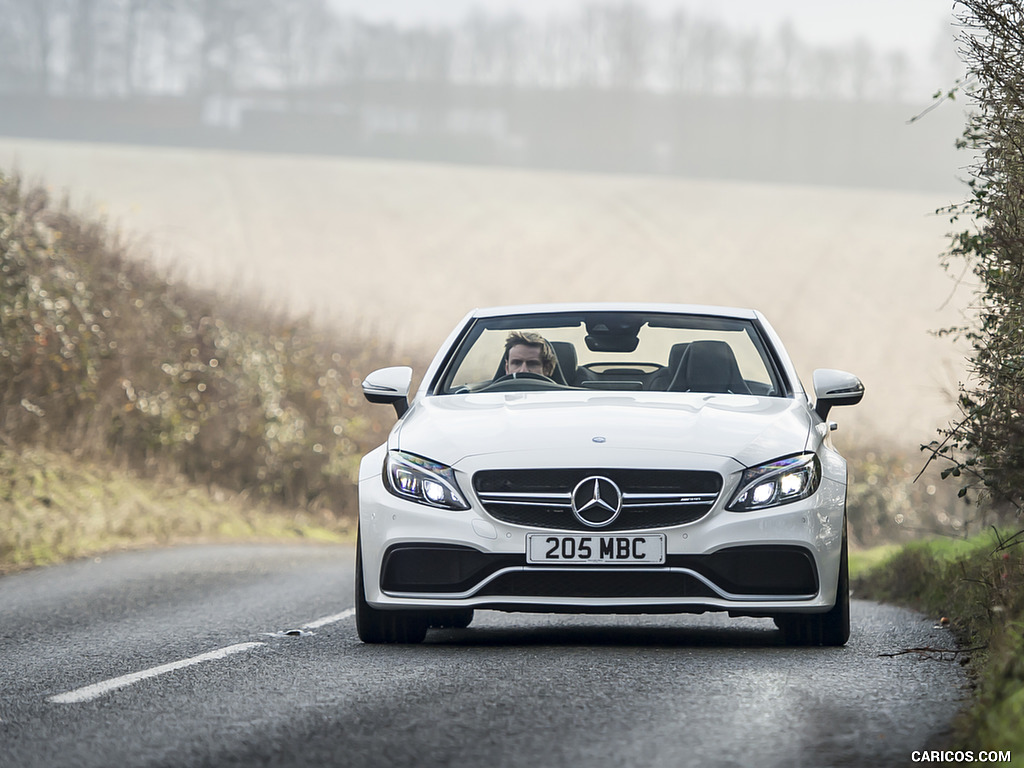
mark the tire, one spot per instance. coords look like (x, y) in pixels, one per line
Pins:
(376, 626)
(831, 628)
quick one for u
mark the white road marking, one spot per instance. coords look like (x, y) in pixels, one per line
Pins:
(330, 619)
(90, 692)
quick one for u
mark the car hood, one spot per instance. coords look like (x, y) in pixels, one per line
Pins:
(748, 429)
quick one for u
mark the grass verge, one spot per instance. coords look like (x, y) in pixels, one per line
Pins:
(54, 508)
(978, 583)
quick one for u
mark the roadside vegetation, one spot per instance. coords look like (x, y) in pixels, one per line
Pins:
(56, 507)
(105, 362)
(978, 583)
(975, 585)
(985, 449)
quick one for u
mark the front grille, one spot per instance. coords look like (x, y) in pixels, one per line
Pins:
(651, 498)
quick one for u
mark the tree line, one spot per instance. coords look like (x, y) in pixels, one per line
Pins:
(127, 48)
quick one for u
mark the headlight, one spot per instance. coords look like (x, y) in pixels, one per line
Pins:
(422, 480)
(778, 482)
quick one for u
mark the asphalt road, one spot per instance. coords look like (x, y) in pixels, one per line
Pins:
(240, 656)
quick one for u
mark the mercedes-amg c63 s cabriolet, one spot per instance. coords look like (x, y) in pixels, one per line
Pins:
(608, 458)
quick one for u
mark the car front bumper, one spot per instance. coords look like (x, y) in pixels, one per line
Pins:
(780, 560)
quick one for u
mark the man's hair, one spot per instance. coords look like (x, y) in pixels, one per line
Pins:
(531, 339)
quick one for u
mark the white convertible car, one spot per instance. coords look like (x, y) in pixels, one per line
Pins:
(606, 458)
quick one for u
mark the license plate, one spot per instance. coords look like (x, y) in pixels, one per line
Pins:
(543, 548)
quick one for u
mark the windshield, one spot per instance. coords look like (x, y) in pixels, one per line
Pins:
(611, 351)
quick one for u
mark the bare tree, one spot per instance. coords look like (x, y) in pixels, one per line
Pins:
(346, 60)
(82, 44)
(90, 47)
(709, 40)
(486, 48)
(628, 32)
(26, 43)
(590, 44)
(13, 45)
(898, 67)
(749, 62)
(790, 48)
(429, 54)
(825, 68)
(222, 20)
(145, 27)
(676, 49)
(132, 30)
(226, 29)
(301, 39)
(168, 53)
(862, 69)
(376, 51)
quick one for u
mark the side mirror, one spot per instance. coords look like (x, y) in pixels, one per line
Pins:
(389, 385)
(833, 387)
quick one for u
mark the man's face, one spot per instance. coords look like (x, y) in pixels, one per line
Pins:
(524, 359)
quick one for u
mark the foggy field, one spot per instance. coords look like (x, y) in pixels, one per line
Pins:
(849, 277)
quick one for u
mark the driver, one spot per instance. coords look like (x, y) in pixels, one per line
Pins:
(528, 352)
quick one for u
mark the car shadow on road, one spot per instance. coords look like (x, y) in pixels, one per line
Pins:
(569, 634)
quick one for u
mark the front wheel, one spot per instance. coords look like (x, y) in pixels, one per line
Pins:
(831, 628)
(376, 626)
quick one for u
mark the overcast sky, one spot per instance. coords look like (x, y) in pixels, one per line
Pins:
(910, 25)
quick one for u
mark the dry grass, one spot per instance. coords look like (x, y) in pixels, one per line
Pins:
(103, 355)
(56, 508)
(978, 586)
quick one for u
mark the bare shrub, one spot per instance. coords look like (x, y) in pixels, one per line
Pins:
(102, 355)
(986, 449)
(890, 499)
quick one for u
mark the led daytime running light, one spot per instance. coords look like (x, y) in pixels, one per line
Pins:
(778, 482)
(421, 480)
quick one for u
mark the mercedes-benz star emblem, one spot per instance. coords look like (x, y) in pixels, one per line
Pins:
(596, 501)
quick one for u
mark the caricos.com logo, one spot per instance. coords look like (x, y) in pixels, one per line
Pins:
(961, 756)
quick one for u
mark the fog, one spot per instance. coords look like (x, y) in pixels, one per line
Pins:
(390, 165)
(824, 95)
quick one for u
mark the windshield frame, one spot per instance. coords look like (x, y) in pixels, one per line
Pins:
(441, 383)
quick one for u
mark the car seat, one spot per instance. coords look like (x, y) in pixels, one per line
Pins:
(710, 366)
(665, 380)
